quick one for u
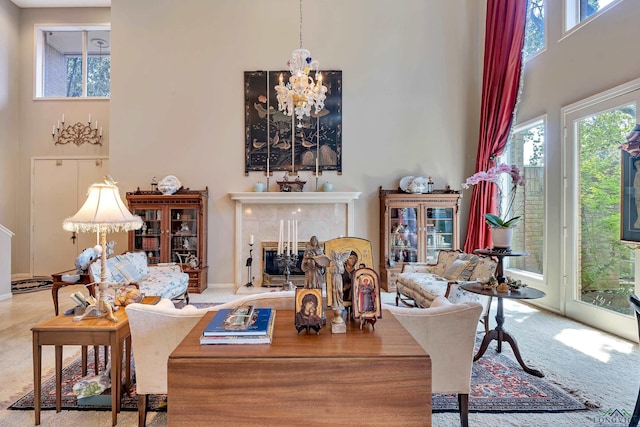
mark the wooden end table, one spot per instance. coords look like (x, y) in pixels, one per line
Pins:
(85, 279)
(499, 334)
(62, 330)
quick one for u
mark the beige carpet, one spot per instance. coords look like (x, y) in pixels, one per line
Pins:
(595, 364)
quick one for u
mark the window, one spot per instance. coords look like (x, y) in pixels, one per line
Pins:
(525, 149)
(577, 11)
(73, 62)
(534, 34)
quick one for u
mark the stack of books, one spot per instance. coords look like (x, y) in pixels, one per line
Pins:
(240, 325)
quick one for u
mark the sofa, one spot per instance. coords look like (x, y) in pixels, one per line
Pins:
(420, 283)
(447, 332)
(164, 280)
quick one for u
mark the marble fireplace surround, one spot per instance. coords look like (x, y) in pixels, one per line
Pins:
(325, 215)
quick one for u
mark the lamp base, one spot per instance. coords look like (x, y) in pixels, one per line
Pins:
(92, 311)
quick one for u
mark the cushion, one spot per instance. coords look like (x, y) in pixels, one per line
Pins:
(129, 272)
(445, 258)
(417, 268)
(139, 261)
(455, 269)
(473, 262)
(483, 270)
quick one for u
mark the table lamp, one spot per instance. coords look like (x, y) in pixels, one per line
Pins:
(102, 212)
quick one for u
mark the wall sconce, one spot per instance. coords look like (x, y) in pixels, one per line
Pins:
(78, 133)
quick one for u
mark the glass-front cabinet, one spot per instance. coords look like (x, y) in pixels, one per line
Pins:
(174, 230)
(414, 228)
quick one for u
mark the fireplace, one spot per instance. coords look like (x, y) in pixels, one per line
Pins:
(273, 272)
(325, 215)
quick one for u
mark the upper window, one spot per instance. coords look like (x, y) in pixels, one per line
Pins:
(534, 39)
(578, 11)
(73, 62)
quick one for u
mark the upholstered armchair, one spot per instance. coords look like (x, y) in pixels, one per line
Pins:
(156, 330)
(447, 332)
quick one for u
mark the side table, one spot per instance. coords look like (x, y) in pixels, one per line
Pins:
(499, 334)
(85, 279)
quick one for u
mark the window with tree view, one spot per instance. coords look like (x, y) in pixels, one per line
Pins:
(525, 149)
(61, 63)
(534, 40)
(577, 11)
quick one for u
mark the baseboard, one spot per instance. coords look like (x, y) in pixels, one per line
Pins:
(6, 296)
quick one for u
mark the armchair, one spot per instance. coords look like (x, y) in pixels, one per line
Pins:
(447, 332)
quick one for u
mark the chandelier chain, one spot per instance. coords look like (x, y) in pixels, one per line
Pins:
(300, 24)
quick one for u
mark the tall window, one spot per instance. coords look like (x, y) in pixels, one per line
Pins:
(73, 62)
(534, 34)
(525, 149)
(577, 11)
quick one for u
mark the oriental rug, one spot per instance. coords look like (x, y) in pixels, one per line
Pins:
(498, 385)
(31, 285)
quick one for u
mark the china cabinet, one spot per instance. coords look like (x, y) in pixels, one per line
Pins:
(174, 230)
(414, 227)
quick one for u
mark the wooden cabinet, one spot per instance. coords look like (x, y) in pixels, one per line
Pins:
(414, 228)
(174, 230)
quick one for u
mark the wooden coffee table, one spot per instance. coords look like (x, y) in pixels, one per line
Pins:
(62, 330)
(370, 377)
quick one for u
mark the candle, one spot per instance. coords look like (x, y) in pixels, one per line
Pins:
(288, 237)
(53, 130)
(100, 130)
(89, 118)
(251, 239)
(62, 117)
(280, 239)
(58, 124)
(267, 166)
(295, 237)
(96, 124)
(316, 166)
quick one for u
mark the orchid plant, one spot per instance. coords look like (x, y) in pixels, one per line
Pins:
(493, 174)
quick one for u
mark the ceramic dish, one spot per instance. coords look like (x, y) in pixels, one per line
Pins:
(404, 183)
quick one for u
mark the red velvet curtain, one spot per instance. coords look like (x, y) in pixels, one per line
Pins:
(503, 43)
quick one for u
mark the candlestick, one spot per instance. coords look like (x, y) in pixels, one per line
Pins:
(316, 166)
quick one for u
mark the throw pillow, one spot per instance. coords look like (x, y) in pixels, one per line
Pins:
(129, 272)
(439, 301)
(473, 262)
(455, 269)
(445, 258)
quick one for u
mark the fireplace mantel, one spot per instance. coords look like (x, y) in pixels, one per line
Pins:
(328, 215)
(294, 197)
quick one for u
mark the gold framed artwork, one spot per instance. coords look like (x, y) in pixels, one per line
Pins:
(360, 255)
(366, 296)
(308, 309)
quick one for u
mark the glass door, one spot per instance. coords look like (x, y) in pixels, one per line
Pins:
(148, 238)
(600, 266)
(403, 234)
(184, 234)
(439, 232)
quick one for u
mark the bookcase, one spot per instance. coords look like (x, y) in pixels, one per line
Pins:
(174, 230)
(414, 227)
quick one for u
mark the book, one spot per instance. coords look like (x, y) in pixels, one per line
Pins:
(257, 325)
(238, 318)
(244, 339)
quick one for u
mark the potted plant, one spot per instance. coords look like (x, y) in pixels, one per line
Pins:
(501, 226)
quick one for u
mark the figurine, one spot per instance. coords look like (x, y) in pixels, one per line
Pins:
(313, 271)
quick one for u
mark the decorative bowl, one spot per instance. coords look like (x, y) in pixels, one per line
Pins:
(169, 185)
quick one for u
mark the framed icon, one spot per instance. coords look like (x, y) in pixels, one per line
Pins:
(308, 309)
(366, 296)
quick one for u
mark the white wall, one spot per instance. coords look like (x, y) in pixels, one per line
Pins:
(410, 67)
(37, 116)
(9, 101)
(600, 55)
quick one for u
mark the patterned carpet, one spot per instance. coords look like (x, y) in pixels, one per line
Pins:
(31, 285)
(498, 385)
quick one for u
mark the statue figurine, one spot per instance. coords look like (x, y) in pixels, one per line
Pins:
(312, 264)
(336, 269)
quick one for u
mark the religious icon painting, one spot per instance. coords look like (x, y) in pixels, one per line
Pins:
(308, 309)
(366, 296)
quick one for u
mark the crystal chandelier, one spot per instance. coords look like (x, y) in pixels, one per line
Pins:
(301, 92)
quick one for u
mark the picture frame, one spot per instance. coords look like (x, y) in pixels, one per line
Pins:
(361, 249)
(270, 134)
(366, 296)
(630, 200)
(308, 310)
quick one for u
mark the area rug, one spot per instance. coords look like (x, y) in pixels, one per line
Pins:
(31, 285)
(498, 385)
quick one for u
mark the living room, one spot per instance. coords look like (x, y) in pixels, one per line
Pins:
(412, 93)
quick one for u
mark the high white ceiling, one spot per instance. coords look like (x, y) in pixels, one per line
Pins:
(62, 3)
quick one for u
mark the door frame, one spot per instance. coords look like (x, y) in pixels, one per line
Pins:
(32, 201)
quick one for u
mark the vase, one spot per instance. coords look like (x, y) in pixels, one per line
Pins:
(501, 237)
(258, 187)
